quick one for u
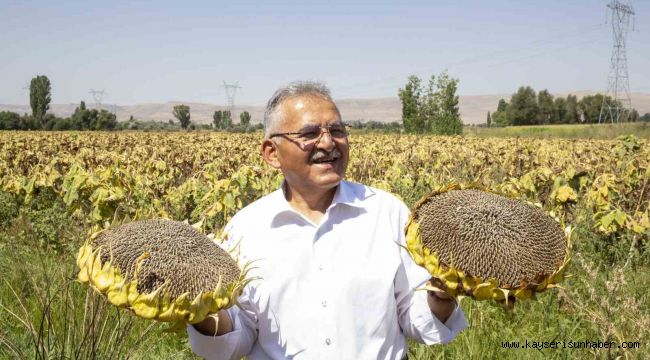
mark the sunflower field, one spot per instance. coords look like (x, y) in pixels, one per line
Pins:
(55, 188)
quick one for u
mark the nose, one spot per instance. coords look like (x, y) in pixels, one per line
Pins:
(325, 142)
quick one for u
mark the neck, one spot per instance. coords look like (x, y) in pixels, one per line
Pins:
(309, 202)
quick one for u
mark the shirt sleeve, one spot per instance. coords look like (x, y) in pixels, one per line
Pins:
(239, 342)
(414, 315)
(233, 345)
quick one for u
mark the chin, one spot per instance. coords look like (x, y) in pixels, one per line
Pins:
(329, 182)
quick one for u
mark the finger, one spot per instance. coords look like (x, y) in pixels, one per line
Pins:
(437, 289)
(430, 287)
(437, 283)
(442, 295)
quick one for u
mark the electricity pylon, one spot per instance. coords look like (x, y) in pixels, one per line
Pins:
(98, 95)
(231, 91)
(618, 108)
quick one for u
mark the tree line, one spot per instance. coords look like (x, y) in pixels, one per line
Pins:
(433, 109)
(373, 126)
(221, 120)
(81, 119)
(40, 97)
(526, 107)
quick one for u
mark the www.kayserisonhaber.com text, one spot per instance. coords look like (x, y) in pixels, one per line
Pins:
(569, 344)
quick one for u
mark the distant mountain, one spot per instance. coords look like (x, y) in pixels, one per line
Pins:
(473, 108)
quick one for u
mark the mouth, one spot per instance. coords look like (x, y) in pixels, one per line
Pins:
(326, 159)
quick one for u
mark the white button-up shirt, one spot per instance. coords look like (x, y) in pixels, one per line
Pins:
(340, 289)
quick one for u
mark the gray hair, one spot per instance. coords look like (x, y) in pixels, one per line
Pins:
(273, 114)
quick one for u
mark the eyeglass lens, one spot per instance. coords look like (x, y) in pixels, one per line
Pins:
(315, 132)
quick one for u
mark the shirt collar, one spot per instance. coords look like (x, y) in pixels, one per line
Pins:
(349, 194)
(346, 194)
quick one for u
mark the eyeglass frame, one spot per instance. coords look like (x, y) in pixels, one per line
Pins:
(316, 140)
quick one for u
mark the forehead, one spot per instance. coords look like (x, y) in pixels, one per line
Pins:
(307, 110)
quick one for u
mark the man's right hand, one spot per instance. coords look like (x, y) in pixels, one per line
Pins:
(215, 324)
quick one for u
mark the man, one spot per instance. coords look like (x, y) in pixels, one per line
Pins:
(334, 284)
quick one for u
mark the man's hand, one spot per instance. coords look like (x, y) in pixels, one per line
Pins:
(215, 324)
(440, 303)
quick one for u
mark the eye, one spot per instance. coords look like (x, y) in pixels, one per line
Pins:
(338, 132)
(310, 134)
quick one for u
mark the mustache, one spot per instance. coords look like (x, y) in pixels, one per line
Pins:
(321, 155)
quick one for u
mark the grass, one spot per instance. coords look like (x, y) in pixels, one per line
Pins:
(46, 314)
(593, 131)
(601, 302)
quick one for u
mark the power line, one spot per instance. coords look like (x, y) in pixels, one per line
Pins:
(483, 57)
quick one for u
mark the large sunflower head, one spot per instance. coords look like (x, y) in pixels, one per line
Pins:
(487, 246)
(161, 269)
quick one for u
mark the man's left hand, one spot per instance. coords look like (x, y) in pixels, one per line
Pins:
(440, 302)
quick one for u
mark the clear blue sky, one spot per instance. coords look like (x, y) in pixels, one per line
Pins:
(157, 51)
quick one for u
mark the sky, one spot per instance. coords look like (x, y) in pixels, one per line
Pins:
(158, 51)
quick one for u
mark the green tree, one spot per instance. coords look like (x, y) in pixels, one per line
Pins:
(245, 118)
(82, 118)
(62, 125)
(48, 122)
(104, 121)
(489, 120)
(500, 119)
(523, 109)
(39, 98)
(428, 107)
(9, 120)
(446, 121)
(435, 110)
(27, 122)
(546, 106)
(503, 105)
(590, 106)
(572, 110)
(217, 119)
(560, 107)
(182, 113)
(410, 98)
(92, 119)
(227, 119)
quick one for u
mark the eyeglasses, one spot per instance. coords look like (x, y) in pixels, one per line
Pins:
(311, 134)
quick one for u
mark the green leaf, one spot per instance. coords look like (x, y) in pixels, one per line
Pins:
(620, 217)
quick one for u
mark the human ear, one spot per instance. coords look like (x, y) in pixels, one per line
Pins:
(270, 153)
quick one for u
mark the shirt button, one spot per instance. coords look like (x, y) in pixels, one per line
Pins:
(320, 267)
(324, 303)
(328, 341)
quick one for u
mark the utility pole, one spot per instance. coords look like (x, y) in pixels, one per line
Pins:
(618, 82)
(231, 91)
(98, 95)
